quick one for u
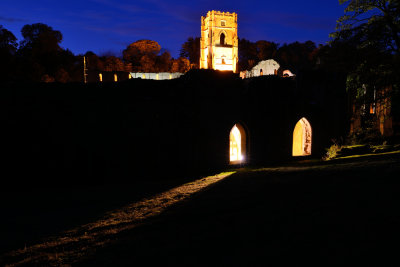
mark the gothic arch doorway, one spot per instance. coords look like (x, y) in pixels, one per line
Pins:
(302, 135)
(237, 144)
(222, 39)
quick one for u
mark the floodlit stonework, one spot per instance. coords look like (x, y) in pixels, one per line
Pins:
(156, 76)
(219, 41)
(265, 67)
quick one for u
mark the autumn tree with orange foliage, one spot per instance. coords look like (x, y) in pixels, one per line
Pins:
(142, 55)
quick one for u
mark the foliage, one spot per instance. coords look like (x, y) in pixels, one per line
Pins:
(113, 64)
(371, 29)
(191, 50)
(40, 37)
(40, 56)
(370, 23)
(294, 56)
(8, 42)
(368, 134)
(332, 151)
(247, 54)
(8, 47)
(366, 42)
(266, 50)
(141, 54)
(163, 62)
(180, 65)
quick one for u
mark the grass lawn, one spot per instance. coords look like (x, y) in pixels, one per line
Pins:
(321, 213)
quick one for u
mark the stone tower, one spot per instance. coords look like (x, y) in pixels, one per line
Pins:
(219, 41)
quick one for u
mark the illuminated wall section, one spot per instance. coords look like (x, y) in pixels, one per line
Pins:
(219, 41)
(302, 138)
(237, 144)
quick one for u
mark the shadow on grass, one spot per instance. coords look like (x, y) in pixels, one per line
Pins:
(330, 214)
(69, 246)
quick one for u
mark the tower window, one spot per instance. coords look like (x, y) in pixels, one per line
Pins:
(223, 22)
(222, 39)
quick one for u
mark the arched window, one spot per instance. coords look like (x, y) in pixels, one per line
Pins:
(302, 134)
(261, 72)
(222, 39)
(237, 144)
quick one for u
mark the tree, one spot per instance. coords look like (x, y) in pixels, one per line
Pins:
(93, 62)
(180, 65)
(370, 33)
(297, 56)
(370, 23)
(41, 38)
(8, 42)
(39, 51)
(8, 47)
(113, 64)
(191, 50)
(247, 54)
(147, 63)
(163, 62)
(142, 49)
(266, 50)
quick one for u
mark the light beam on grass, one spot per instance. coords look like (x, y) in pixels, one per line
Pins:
(69, 246)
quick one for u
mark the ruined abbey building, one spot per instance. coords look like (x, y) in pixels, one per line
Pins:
(192, 124)
(199, 123)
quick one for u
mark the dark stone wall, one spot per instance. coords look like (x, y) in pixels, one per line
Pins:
(68, 134)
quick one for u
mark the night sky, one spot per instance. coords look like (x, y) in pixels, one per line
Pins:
(105, 26)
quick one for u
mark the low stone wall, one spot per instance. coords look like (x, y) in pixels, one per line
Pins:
(156, 76)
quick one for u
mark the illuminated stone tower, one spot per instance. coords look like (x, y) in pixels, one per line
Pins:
(219, 41)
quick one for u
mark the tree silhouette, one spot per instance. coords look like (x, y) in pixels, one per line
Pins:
(266, 50)
(8, 47)
(113, 64)
(297, 56)
(40, 50)
(247, 54)
(294, 56)
(370, 23)
(191, 50)
(367, 38)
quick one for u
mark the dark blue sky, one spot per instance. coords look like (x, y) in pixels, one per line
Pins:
(108, 25)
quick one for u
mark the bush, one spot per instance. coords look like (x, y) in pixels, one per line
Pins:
(332, 151)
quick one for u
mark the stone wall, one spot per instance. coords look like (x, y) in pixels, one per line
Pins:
(68, 134)
(265, 67)
(156, 76)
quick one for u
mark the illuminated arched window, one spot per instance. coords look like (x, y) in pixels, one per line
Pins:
(115, 78)
(302, 138)
(100, 77)
(223, 60)
(222, 39)
(237, 144)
